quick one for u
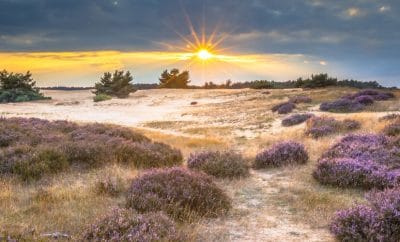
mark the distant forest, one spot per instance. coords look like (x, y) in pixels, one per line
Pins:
(316, 81)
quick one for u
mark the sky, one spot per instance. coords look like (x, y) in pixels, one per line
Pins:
(72, 42)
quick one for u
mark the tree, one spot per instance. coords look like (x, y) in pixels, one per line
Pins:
(18, 87)
(174, 79)
(117, 84)
(9, 81)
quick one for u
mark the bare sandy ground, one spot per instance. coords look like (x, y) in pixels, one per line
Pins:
(239, 118)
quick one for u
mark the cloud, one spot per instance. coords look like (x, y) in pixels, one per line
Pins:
(384, 9)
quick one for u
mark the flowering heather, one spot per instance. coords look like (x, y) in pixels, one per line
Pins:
(127, 225)
(318, 127)
(219, 164)
(346, 172)
(376, 148)
(364, 161)
(33, 147)
(284, 108)
(355, 224)
(341, 106)
(179, 192)
(377, 222)
(365, 100)
(374, 94)
(281, 154)
(300, 99)
(296, 119)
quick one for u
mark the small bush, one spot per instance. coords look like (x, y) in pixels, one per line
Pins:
(341, 106)
(365, 100)
(318, 127)
(355, 224)
(219, 164)
(101, 97)
(379, 221)
(296, 119)
(362, 161)
(389, 117)
(281, 154)
(284, 108)
(178, 192)
(300, 99)
(347, 172)
(126, 225)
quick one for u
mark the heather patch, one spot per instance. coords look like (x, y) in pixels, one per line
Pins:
(226, 164)
(281, 154)
(361, 161)
(379, 221)
(179, 192)
(296, 119)
(284, 108)
(32, 147)
(127, 225)
(300, 99)
(318, 127)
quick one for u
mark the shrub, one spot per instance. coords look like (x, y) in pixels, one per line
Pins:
(284, 108)
(32, 148)
(117, 84)
(347, 172)
(341, 106)
(219, 164)
(379, 221)
(300, 99)
(18, 87)
(365, 100)
(281, 154)
(101, 97)
(355, 224)
(374, 94)
(363, 161)
(126, 225)
(318, 127)
(178, 192)
(376, 148)
(296, 119)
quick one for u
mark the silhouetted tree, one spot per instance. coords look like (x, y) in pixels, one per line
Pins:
(117, 84)
(174, 79)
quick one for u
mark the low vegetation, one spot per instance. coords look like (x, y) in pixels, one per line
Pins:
(226, 164)
(281, 154)
(18, 87)
(318, 127)
(284, 108)
(356, 102)
(101, 97)
(127, 225)
(32, 148)
(377, 221)
(296, 119)
(360, 161)
(181, 193)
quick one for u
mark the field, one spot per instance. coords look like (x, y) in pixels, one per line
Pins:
(278, 204)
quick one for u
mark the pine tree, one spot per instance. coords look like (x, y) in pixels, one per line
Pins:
(174, 79)
(117, 84)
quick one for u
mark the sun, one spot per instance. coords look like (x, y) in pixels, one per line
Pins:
(204, 54)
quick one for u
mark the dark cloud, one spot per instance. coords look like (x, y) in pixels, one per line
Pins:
(360, 32)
